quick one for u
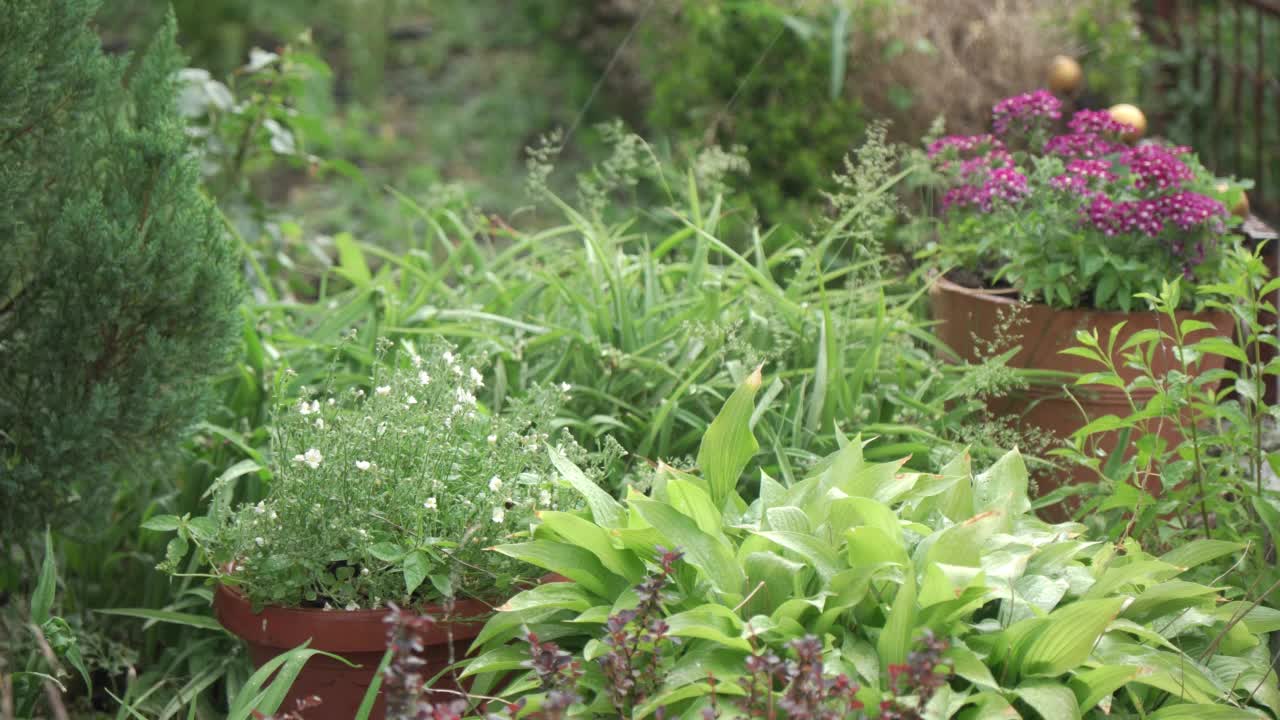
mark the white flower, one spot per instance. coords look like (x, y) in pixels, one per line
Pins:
(448, 358)
(430, 504)
(457, 370)
(311, 458)
(412, 400)
(332, 401)
(493, 439)
(306, 408)
(476, 377)
(564, 387)
(495, 484)
(363, 464)
(364, 571)
(273, 515)
(259, 509)
(262, 542)
(319, 423)
(465, 397)
(382, 389)
(424, 378)
(544, 497)
(499, 514)
(352, 606)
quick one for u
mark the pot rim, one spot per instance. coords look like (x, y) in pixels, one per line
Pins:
(336, 630)
(940, 284)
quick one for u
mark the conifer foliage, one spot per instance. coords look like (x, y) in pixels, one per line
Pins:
(118, 284)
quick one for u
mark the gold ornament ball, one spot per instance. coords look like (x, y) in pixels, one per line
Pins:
(1065, 75)
(1241, 207)
(1130, 115)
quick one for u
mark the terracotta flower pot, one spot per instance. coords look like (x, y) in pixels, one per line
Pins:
(360, 636)
(1042, 333)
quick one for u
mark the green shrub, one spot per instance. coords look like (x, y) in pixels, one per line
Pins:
(868, 559)
(753, 75)
(118, 286)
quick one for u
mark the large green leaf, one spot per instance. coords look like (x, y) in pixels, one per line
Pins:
(46, 584)
(1051, 700)
(281, 670)
(818, 554)
(594, 539)
(1065, 641)
(1094, 684)
(694, 502)
(1003, 487)
(573, 562)
(1198, 552)
(712, 555)
(605, 510)
(728, 444)
(896, 637)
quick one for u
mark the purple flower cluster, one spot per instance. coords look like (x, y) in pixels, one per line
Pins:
(1097, 122)
(964, 145)
(1000, 185)
(1081, 174)
(1155, 166)
(1081, 145)
(1025, 112)
(1150, 216)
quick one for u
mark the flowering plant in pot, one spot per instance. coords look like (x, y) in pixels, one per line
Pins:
(1057, 232)
(389, 493)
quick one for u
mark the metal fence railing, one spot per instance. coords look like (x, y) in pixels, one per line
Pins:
(1219, 88)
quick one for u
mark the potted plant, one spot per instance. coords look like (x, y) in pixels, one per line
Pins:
(1046, 234)
(385, 494)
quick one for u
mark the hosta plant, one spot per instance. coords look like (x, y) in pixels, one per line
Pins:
(1081, 218)
(387, 492)
(870, 560)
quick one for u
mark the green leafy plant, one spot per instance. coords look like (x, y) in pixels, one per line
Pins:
(867, 558)
(118, 286)
(1195, 452)
(386, 494)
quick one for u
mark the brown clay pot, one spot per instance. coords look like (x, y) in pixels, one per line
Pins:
(360, 636)
(965, 313)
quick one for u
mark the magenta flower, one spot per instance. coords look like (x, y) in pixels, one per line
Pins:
(965, 144)
(1081, 145)
(1097, 122)
(1025, 112)
(1155, 166)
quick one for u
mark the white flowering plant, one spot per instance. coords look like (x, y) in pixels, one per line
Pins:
(392, 492)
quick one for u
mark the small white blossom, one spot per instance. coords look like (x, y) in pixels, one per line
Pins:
(311, 458)
(273, 515)
(332, 401)
(564, 387)
(352, 606)
(493, 439)
(306, 408)
(430, 504)
(465, 397)
(259, 508)
(495, 484)
(544, 497)
(411, 401)
(364, 571)
(382, 389)
(457, 370)
(499, 514)
(449, 358)
(424, 378)
(476, 377)
(261, 541)
(319, 423)
(363, 464)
